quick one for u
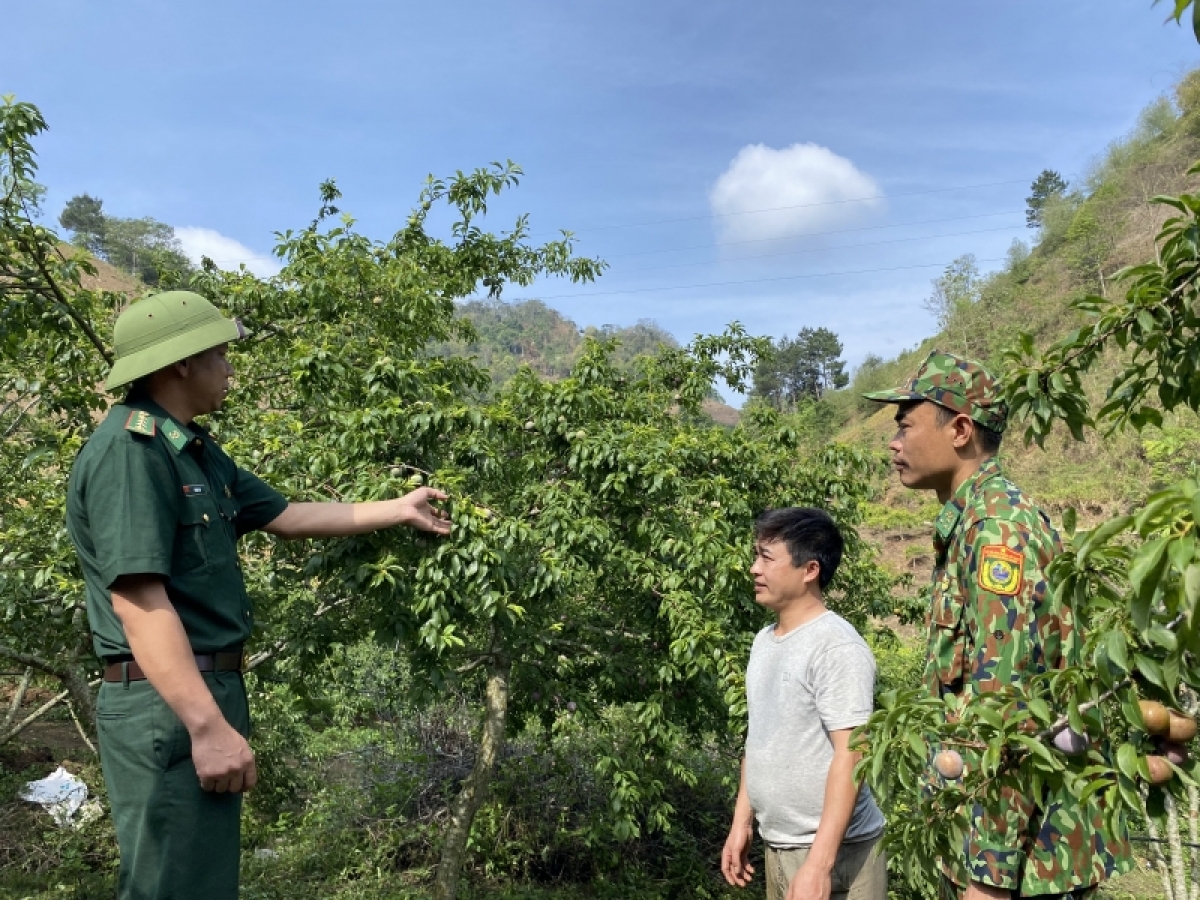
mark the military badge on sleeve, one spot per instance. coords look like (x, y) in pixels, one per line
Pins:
(1000, 569)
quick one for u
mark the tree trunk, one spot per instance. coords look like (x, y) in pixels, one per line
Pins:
(75, 681)
(1175, 844)
(1156, 857)
(474, 789)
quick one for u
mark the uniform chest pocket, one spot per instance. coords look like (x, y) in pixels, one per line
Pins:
(946, 607)
(947, 633)
(193, 540)
(229, 510)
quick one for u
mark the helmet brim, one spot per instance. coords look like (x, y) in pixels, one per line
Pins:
(159, 356)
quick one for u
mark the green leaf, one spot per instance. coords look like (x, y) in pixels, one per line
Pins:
(1191, 583)
(1144, 576)
(1114, 643)
(919, 747)
(1150, 670)
(1127, 760)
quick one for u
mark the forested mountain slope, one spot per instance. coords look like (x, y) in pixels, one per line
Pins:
(1087, 234)
(510, 335)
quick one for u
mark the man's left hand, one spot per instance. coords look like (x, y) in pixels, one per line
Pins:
(418, 511)
(811, 883)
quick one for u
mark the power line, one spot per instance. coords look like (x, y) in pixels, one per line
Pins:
(681, 287)
(747, 212)
(784, 237)
(928, 237)
(799, 234)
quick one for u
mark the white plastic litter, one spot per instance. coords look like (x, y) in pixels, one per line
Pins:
(61, 794)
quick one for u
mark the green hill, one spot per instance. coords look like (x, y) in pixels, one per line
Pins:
(510, 335)
(1088, 233)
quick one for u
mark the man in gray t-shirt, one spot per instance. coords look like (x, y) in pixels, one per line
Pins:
(810, 682)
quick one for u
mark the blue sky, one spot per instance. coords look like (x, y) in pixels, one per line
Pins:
(652, 116)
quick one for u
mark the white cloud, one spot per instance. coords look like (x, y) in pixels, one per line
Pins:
(224, 251)
(811, 181)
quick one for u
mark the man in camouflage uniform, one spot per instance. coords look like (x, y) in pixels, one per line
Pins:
(993, 622)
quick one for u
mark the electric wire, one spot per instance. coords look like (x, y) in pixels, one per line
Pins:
(682, 287)
(928, 237)
(799, 234)
(783, 237)
(747, 212)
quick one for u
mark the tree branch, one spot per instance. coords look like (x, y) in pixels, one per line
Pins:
(1061, 725)
(33, 249)
(34, 716)
(18, 697)
(36, 662)
(264, 655)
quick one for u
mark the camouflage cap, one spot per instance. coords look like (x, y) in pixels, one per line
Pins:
(960, 385)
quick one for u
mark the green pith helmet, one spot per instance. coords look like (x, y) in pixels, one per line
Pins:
(960, 385)
(163, 329)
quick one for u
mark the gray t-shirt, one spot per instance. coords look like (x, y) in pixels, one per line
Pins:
(815, 679)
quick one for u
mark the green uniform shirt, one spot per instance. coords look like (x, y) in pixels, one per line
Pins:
(993, 621)
(148, 495)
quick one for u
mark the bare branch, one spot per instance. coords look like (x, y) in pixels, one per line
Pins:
(79, 728)
(41, 711)
(18, 697)
(34, 716)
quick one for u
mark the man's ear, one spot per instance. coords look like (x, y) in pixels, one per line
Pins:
(812, 571)
(963, 431)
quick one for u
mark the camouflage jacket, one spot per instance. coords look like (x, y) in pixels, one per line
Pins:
(992, 622)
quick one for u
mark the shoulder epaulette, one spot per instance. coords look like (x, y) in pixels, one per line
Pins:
(140, 422)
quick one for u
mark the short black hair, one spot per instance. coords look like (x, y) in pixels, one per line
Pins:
(989, 438)
(808, 533)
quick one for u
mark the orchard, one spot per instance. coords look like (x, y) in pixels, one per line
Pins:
(600, 556)
(599, 562)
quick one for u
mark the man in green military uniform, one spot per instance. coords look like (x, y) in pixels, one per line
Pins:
(993, 621)
(155, 508)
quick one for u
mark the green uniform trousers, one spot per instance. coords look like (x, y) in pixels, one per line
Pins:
(177, 842)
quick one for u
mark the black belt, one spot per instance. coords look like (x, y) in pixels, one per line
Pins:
(123, 670)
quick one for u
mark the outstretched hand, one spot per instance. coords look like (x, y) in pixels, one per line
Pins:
(418, 511)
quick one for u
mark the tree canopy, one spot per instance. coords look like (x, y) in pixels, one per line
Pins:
(799, 368)
(1045, 187)
(143, 247)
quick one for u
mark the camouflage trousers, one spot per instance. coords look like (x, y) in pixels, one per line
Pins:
(948, 890)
